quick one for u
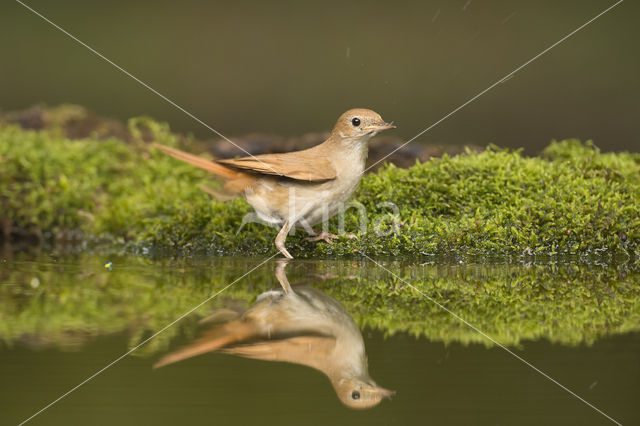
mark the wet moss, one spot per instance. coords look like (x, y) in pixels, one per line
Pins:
(573, 199)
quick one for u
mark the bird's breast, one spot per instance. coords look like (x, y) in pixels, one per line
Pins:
(278, 199)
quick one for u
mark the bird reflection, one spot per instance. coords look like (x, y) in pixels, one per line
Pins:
(304, 327)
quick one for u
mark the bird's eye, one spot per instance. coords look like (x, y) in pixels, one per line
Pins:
(355, 122)
(355, 395)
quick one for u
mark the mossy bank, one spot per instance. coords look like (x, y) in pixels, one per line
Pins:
(573, 199)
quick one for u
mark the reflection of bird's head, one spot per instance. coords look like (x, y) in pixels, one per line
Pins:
(359, 123)
(360, 394)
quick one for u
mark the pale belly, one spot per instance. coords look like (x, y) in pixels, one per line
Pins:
(276, 201)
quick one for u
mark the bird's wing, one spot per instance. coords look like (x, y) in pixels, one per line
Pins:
(305, 350)
(308, 165)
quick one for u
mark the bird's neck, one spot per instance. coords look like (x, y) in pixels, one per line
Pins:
(349, 150)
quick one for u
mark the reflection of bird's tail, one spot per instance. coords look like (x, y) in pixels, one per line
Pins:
(214, 339)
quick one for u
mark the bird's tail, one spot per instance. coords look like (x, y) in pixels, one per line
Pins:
(218, 337)
(210, 166)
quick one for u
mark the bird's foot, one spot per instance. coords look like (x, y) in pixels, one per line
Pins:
(325, 236)
(283, 250)
(280, 239)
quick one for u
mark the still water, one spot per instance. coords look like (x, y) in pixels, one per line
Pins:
(308, 341)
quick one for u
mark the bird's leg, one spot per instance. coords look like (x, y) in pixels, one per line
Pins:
(318, 235)
(281, 264)
(281, 237)
(325, 236)
(313, 234)
(322, 235)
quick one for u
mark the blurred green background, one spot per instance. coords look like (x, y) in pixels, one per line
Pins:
(293, 67)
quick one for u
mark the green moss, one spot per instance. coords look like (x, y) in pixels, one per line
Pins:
(499, 202)
(571, 200)
(76, 299)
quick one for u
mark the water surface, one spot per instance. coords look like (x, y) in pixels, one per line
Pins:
(64, 318)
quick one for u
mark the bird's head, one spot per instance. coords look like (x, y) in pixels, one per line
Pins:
(359, 123)
(360, 394)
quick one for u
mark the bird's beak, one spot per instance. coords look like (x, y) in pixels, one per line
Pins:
(385, 393)
(379, 390)
(378, 127)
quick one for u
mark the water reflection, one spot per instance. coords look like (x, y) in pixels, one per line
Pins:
(302, 326)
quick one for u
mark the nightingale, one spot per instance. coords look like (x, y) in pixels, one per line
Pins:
(305, 327)
(302, 188)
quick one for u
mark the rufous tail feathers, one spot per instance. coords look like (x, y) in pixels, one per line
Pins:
(210, 166)
(236, 183)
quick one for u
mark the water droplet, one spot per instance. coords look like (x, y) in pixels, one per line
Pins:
(35, 282)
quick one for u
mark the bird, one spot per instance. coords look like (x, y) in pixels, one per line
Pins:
(305, 327)
(298, 189)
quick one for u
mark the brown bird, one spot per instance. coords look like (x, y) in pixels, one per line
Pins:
(302, 188)
(304, 327)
